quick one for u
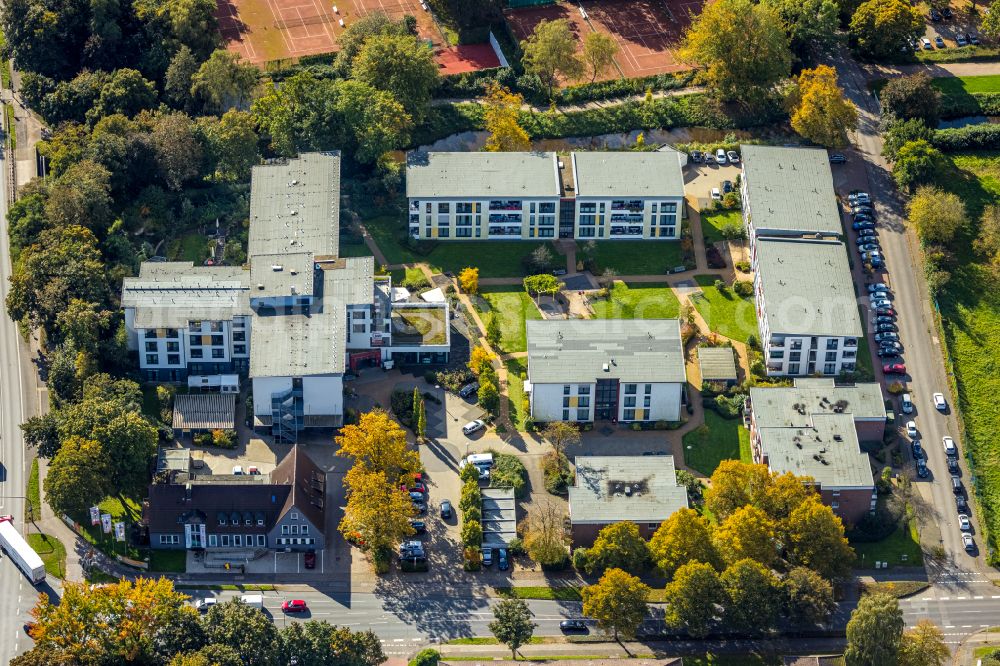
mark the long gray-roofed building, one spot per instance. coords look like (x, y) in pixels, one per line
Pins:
(613, 489)
(788, 192)
(815, 428)
(605, 369)
(807, 310)
(539, 195)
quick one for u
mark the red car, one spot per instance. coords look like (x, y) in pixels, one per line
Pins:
(894, 369)
(418, 487)
(294, 606)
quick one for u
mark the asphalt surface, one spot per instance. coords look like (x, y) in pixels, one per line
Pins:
(922, 347)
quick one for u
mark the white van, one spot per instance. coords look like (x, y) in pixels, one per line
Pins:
(253, 600)
(480, 459)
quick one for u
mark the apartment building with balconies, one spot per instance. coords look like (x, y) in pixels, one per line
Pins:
(543, 195)
(628, 370)
(807, 312)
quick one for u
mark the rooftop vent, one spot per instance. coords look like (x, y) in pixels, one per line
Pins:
(260, 285)
(606, 367)
(277, 268)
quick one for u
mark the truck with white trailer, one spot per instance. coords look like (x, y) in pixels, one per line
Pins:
(19, 552)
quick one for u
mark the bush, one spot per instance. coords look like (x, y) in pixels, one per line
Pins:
(508, 472)
(426, 657)
(202, 439)
(557, 472)
(896, 388)
(430, 377)
(401, 404)
(472, 559)
(415, 281)
(224, 439)
(453, 380)
(743, 266)
(381, 558)
(731, 200)
(743, 288)
(971, 137)
(581, 560)
(729, 407)
(472, 497)
(516, 547)
(472, 533)
(757, 369)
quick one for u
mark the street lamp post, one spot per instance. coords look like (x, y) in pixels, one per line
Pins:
(31, 508)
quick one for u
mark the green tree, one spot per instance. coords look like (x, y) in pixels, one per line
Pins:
(682, 538)
(561, 434)
(177, 84)
(246, 630)
(378, 444)
(619, 546)
(550, 54)
(193, 24)
(694, 599)
(901, 132)
(814, 538)
(881, 28)
(989, 25)
(512, 625)
(377, 121)
(808, 597)
(377, 510)
(42, 432)
(177, 149)
(472, 533)
(82, 324)
(422, 419)
(545, 533)
(820, 112)
(717, 40)
(924, 646)
(544, 283)
(493, 331)
(912, 97)
(599, 51)
(223, 82)
(987, 243)
(231, 144)
(489, 396)
(400, 65)
(81, 196)
(811, 25)
(358, 32)
(618, 602)
(126, 92)
(936, 215)
(747, 533)
(77, 477)
(753, 597)
(916, 163)
(415, 407)
(874, 632)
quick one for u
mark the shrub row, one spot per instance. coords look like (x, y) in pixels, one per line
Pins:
(508, 472)
(972, 137)
(970, 104)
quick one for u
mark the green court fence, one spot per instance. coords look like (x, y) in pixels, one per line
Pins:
(518, 4)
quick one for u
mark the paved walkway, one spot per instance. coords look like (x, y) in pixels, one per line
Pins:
(571, 108)
(932, 69)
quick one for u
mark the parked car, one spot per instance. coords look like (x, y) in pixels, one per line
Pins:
(716, 194)
(237, 470)
(938, 42)
(973, 38)
(886, 328)
(446, 510)
(907, 403)
(939, 402)
(949, 446)
(720, 156)
(887, 352)
(885, 319)
(204, 605)
(874, 258)
(946, 13)
(567, 626)
(961, 40)
(837, 158)
(709, 158)
(956, 485)
(864, 224)
(727, 186)
(473, 426)
(420, 508)
(697, 156)
(883, 303)
(911, 429)
(967, 541)
(886, 312)
(294, 606)
(488, 557)
(309, 559)
(916, 450)
(894, 369)
(952, 465)
(935, 15)
(868, 246)
(858, 195)
(922, 470)
(418, 526)
(418, 487)
(867, 233)
(961, 504)
(891, 337)
(964, 523)
(861, 241)
(734, 157)
(502, 562)
(927, 44)
(416, 497)
(895, 346)
(468, 390)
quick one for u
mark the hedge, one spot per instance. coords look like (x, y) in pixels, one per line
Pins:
(970, 104)
(508, 472)
(971, 137)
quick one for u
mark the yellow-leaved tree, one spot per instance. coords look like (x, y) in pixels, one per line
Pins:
(501, 115)
(378, 445)
(820, 112)
(378, 512)
(468, 280)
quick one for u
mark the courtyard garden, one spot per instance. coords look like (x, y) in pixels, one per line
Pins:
(641, 300)
(724, 311)
(513, 306)
(717, 440)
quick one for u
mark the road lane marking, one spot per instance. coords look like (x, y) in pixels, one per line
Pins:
(961, 598)
(944, 599)
(979, 597)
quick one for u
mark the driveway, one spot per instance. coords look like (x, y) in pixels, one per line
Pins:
(699, 179)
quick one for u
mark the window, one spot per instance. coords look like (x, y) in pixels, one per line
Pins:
(566, 389)
(359, 328)
(173, 359)
(793, 368)
(213, 540)
(151, 346)
(565, 402)
(776, 353)
(831, 356)
(173, 346)
(630, 389)
(295, 516)
(829, 368)
(834, 505)
(583, 390)
(239, 336)
(225, 540)
(260, 522)
(238, 349)
(197, 353)
(646, 401)
(630, 401)
(222, 520)
(172, 333)
(583, 401)
(444, 232)
(836, 493)
(795, 356)
(582, 414)
(217, 340)
(305, 529)
(237, 539)
(248, 522)
(295, 529)
(629, 415)
(648, 389)
(218, 353)
(284, 529)
(152, 359)
(261, 540)
(832, 343)
(249, 541)
(463, 233)
(194, 340)
(565, 415)
(443, 207)
(359, 314)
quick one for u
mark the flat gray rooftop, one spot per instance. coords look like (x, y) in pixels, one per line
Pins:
(204, 411)
(499, 509)
(472, 175)
(295, 206)
(808, 288)
(609, 489)
(170, 294)
(585, 350)
(628, 174)
(827, 450)
(790, 190)
(717, 363)
(793, 406)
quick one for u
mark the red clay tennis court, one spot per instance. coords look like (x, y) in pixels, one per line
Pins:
(268, 30)
(647, 31)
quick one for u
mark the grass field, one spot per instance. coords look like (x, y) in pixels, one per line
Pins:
(515, 390)
(712, 224)
(172, 561)
(564, 593)
(52, 551)
(645, 257)
(514, 307)
(895, 588)
(725, 312)
(128, 511)
(970, 313)
(492, 258)
(956, 85)
(720, 439)
(643, 300)
(34, 493)
(901, 548)
(191, 247)
(354, 250)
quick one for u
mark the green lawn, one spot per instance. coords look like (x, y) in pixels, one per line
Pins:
(712, 224)
(725, 312)
(519, 413)
(563, 593)
(956, 85)
(191, 247)
(892, 549)
(33, 507)
(970, 313)
(128, 511)
(644, 257)
(720, 439)
(514, 307)
(354, 250)
(172, 561)
(642, 300)
(492, 258)
(863, 368)
(52, 552)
